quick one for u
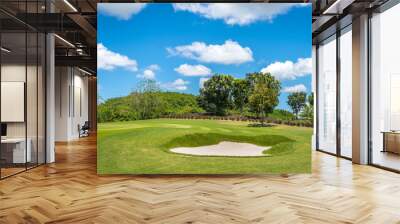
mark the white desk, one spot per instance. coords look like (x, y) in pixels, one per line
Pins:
(19, 154)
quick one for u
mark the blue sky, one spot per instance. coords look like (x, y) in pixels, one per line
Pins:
(180, 45)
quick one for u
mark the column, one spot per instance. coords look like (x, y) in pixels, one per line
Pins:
(360, 90)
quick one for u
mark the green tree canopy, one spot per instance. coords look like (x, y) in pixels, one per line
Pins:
(129, 107)
(310, 99)
(297, 101)
(263, 94)
(240, 93)
(216, 94)
(145, 99)
(308, 110)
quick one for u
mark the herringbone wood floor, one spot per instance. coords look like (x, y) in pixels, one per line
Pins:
(69, 191)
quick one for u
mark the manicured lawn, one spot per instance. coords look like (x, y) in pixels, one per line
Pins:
(142, 147)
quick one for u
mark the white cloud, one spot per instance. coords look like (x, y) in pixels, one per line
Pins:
(193, 70)
(154, 67)
(295, 89)
(289, 69)
(237, 14)
(178, 84)
(149, 72)
(123, 11)
(202, 81)
(228, 53)
(109, 60)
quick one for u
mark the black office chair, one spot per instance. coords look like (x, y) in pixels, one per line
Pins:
(84, 130)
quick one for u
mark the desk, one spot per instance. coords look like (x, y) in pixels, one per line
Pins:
(391, 141)
(18, 150)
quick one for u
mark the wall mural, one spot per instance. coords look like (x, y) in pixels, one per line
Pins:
(204, 88)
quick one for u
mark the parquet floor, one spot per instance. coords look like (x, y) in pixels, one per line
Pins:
(69, 191)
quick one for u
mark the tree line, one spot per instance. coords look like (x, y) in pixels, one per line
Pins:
(257, 94)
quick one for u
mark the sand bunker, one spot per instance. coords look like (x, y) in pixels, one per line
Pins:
(223, 149)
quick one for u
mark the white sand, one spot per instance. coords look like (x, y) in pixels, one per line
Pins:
(223, 149)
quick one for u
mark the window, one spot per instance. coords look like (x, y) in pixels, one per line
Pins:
(327, 95)
(385, 89)
(346, 92)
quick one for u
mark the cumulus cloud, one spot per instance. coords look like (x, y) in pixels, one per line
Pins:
(290, 70)
(149, 72)
(237, 14)
(122, 11)
(202, 81)
(193, 70)
(154, 67)
(178, 84)
(230, 52)
(109, 60)
(295, 89)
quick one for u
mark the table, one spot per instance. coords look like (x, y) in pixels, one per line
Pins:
(391, 141)
(19, 155)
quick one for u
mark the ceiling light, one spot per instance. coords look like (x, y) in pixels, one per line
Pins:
(64, 40)
(337, 7)
(79, 51)
(5, 50)
(84, 71)
(70, 5)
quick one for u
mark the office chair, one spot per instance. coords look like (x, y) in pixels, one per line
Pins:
(84, 130)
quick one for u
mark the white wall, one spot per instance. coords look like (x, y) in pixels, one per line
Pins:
(71, 94)
(62, 82)
(14, 73)
(80, 110)
(33, 126)
(13, 101)
(17, 73)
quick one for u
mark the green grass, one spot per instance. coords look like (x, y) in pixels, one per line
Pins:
(142, 147)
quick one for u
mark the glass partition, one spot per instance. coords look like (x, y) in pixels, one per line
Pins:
(346, 92)
(13, 94)
(385, 89)
(31, 98)
(22, 77)
(327, 95)
(41, 96)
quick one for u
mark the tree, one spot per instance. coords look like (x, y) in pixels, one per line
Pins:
(251, 78)
(145, 99)
(216, 94)
(240, 93)
(264, 94)
(308, 110)
(297, 101)
(310, 99)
